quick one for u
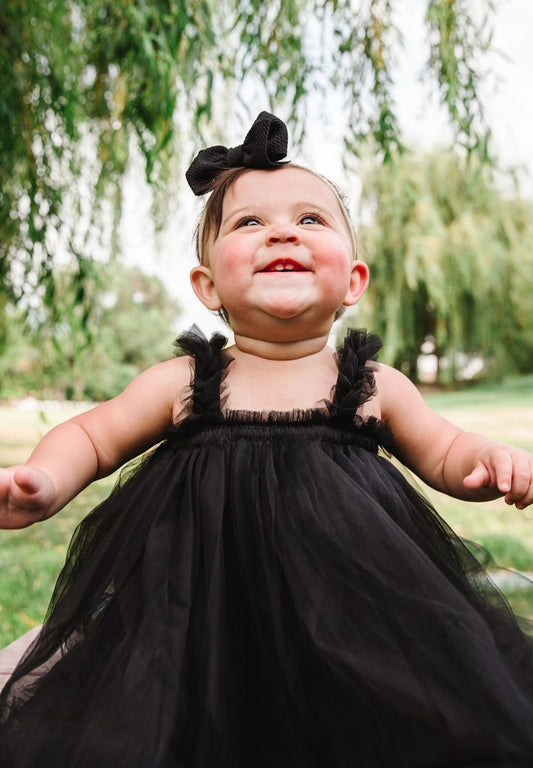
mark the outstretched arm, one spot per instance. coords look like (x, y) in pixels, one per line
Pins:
(463, 464)
(91, 445)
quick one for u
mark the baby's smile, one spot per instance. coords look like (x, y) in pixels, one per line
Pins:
(284, 265)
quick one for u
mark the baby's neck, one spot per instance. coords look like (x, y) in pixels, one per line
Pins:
(280, 350)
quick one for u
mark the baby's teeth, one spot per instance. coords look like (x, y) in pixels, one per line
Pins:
(283, 267)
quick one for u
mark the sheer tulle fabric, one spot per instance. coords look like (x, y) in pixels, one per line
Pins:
(268, 590)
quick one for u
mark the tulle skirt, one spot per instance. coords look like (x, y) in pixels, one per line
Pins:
(271, 595)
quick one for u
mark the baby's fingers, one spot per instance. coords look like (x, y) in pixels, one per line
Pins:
(479, 477)
(505, 469)
(492, 471)
(15, 512)
(27, 481)
(26, 494)
(521, 490)
(31, 489)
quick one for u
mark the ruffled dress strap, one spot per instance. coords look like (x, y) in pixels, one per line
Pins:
(356, 385)
(207, 371)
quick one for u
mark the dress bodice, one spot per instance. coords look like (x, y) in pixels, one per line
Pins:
(338, 419)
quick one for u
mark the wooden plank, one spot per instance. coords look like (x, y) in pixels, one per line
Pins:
(10, 655)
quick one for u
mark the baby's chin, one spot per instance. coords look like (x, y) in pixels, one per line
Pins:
(285, 323)
(287, 304)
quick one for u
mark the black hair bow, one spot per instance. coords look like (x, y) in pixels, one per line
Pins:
(264, 147)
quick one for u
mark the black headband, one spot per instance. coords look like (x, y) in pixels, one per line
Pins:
(264, 147)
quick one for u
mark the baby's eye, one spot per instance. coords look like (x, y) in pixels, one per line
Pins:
(248, 221)
(311, 218)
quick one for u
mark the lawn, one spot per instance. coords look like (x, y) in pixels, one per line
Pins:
(30, 559)
(503, 413)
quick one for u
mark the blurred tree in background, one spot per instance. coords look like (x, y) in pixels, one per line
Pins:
(133, 319)
(86, 84)
(451, 259)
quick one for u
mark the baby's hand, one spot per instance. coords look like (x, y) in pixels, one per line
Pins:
(506, 469)
(26, 495)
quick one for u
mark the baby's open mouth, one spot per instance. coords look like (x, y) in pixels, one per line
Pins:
(284, 265)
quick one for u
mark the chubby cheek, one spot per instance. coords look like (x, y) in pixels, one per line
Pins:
(335, 274)
(233, 253)
(231, 278)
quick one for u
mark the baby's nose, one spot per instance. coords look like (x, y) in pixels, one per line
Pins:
(282, 234)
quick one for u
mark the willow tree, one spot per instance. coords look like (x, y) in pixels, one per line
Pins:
(135, 320)
(85, 83)
(452, 260)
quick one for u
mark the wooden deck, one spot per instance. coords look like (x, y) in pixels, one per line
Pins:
(10, 655)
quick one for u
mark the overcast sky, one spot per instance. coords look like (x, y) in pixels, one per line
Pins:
(508, 99)
(508, 92)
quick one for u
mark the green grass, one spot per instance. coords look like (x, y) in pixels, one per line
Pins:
(31, 559)
(503, 412)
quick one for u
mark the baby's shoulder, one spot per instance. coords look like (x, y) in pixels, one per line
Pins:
(161, 383)
(178, 374)
(383, 381)
(165, 384)
(173, 373)
(391, 383)
(395, 395)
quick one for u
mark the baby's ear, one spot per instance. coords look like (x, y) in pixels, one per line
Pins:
(204, 287)
(358, 283)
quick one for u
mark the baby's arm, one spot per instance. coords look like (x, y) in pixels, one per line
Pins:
(91, 445)
(462, 464)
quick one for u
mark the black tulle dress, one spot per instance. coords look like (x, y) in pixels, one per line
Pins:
(268, 590)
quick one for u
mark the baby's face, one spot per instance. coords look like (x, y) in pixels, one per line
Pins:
(284, 249)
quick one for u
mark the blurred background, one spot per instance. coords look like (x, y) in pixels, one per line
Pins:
(420, 111)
